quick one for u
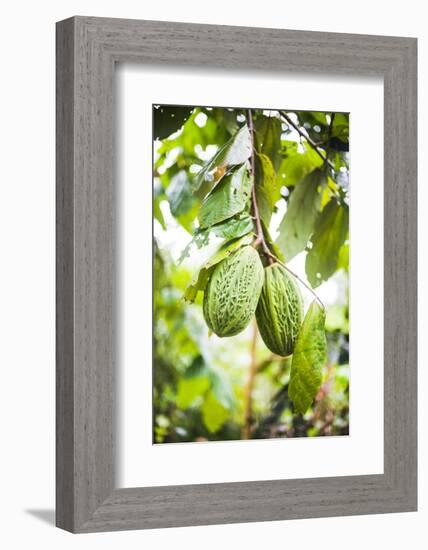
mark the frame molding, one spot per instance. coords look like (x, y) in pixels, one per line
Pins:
(87, 50)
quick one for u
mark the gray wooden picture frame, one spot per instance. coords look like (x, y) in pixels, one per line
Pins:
(87, 51)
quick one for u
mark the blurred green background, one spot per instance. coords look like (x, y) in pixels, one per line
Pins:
(200, 389)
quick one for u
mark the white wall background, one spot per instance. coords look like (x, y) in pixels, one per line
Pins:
(27, 272)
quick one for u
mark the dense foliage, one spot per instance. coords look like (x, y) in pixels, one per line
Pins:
(211, 165)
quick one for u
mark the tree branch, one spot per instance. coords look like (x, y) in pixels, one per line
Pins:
(305, 135)
(260, 238)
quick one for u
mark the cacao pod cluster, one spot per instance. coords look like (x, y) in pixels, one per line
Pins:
(240, 287)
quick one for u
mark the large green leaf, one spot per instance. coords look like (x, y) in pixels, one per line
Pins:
(228, 198)
(235, 151)
(167, 119)
(267, 189)
(310, 354)
(330, 233)
(303, 207)
(296, 164)
(200, 279)
(268, 138)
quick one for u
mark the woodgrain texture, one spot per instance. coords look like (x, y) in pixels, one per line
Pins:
(87, 50)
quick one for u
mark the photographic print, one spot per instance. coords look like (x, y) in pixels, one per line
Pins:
(250, 273)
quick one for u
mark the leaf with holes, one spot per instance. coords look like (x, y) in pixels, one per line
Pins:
(330, 233)
(233, 227)
(228, 198)
(230, 229)
(201, 278)
(235, 151)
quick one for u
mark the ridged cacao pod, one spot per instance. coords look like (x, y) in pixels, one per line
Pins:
(232, 293)
(279, 312)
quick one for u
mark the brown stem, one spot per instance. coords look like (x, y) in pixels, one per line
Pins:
(307, 137)
(260, 238)
(248, 390)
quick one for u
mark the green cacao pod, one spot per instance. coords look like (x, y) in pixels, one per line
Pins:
(279, 312)
(232, 293)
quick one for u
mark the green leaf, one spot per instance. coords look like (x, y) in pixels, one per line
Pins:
(229, 229)
(167, 119)
(296, 165)
(330, 233)
(227, 118)
(179, 194)
(268, 138)
(200, 279)
(226, 250)
(267, 190)
(233, 227)
(200, 238)
(228, 198)
(214, 414)
(235, 151)
(310, 354)
(298, 222)
(198, 282)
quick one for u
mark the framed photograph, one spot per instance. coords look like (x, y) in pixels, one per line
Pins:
(236, 274)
